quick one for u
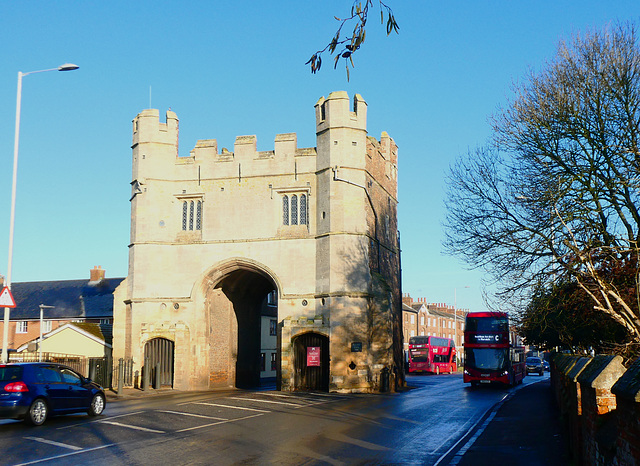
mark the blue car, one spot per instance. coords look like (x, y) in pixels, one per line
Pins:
(35, 391)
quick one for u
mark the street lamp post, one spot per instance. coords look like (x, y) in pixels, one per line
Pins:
(5, 333)
(42, 308)
(455, 316)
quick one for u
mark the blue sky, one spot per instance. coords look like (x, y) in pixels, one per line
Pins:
(237, 68)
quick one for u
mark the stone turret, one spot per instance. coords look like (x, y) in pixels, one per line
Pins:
(340, 131)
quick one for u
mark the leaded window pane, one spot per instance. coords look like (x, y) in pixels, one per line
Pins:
(285, 210)
(191, 205)
(184, 215)
(303, 210)
(294, 210)
(199, 216)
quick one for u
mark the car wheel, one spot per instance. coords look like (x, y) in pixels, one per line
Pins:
(97, 405)
(37, 413)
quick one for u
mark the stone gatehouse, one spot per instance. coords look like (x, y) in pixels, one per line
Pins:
(217, 233)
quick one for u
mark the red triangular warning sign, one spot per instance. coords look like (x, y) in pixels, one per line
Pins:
(6, 299)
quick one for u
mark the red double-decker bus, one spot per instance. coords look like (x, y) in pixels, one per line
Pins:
(490, 355)
(432, 354)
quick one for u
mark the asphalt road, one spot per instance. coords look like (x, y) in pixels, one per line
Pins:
(424, 425)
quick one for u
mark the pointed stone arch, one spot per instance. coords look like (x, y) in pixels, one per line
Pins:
(232, 293)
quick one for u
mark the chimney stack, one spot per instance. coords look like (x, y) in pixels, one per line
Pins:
(96, 275)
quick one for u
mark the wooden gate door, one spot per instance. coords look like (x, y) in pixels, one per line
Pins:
(158, 355)
(311, 368)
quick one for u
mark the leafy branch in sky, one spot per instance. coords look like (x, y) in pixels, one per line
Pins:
(344, 45)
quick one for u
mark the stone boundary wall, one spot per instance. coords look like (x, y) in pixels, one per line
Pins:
(599, 402)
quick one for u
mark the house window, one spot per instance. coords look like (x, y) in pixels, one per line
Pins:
(273, 327)
(273, 361)
(295, 209)
(105, 321)
(191, 215)
(413, 333)
(421, 320)
(22, 326)
(413, 319)
(46, 326)
(262, 361)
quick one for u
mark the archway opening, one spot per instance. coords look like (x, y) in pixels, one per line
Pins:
(243, 341)
(311, 362)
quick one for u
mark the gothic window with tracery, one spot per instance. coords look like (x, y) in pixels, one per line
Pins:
(191, 215)
(303, 210)
(295, 209)
(285, 210)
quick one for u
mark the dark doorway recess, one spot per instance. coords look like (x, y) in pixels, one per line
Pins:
(311, 377)
(247, 290)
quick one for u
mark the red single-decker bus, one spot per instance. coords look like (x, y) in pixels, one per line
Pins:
(432, 354)
(489, 353)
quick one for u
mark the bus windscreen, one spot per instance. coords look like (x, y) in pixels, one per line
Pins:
(489, 359)
(482, 325)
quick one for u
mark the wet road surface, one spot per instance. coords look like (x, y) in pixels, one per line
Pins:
(424, 425)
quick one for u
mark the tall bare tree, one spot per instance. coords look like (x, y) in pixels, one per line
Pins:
(555, 192)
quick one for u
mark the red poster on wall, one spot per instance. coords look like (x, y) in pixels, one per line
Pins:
(313, 356)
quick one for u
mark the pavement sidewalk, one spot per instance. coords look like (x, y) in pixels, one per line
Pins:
(525, 430)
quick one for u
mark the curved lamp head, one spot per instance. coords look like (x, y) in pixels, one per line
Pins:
(68, 67)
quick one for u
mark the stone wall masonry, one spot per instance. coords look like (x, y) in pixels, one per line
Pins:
(627, 392)
(599, 402)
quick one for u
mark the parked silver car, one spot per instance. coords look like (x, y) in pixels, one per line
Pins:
(534, 364)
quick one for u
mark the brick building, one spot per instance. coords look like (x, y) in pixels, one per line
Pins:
(420, 317)
(215, 233)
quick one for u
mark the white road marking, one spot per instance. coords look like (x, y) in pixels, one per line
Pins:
(194, 415)
(221, 422)
(266, 401)
(98, 420)
(144, 429)
(51, 442)
(65, 455)
(231, 407)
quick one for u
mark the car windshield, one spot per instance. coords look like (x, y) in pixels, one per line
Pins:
(533, 360)
(8, 373)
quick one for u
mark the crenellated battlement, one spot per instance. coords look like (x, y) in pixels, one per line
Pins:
(342, 140)
(245, 149)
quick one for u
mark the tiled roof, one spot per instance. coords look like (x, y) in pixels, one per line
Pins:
(71, 298)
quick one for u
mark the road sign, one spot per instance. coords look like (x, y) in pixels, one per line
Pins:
(6, 299)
